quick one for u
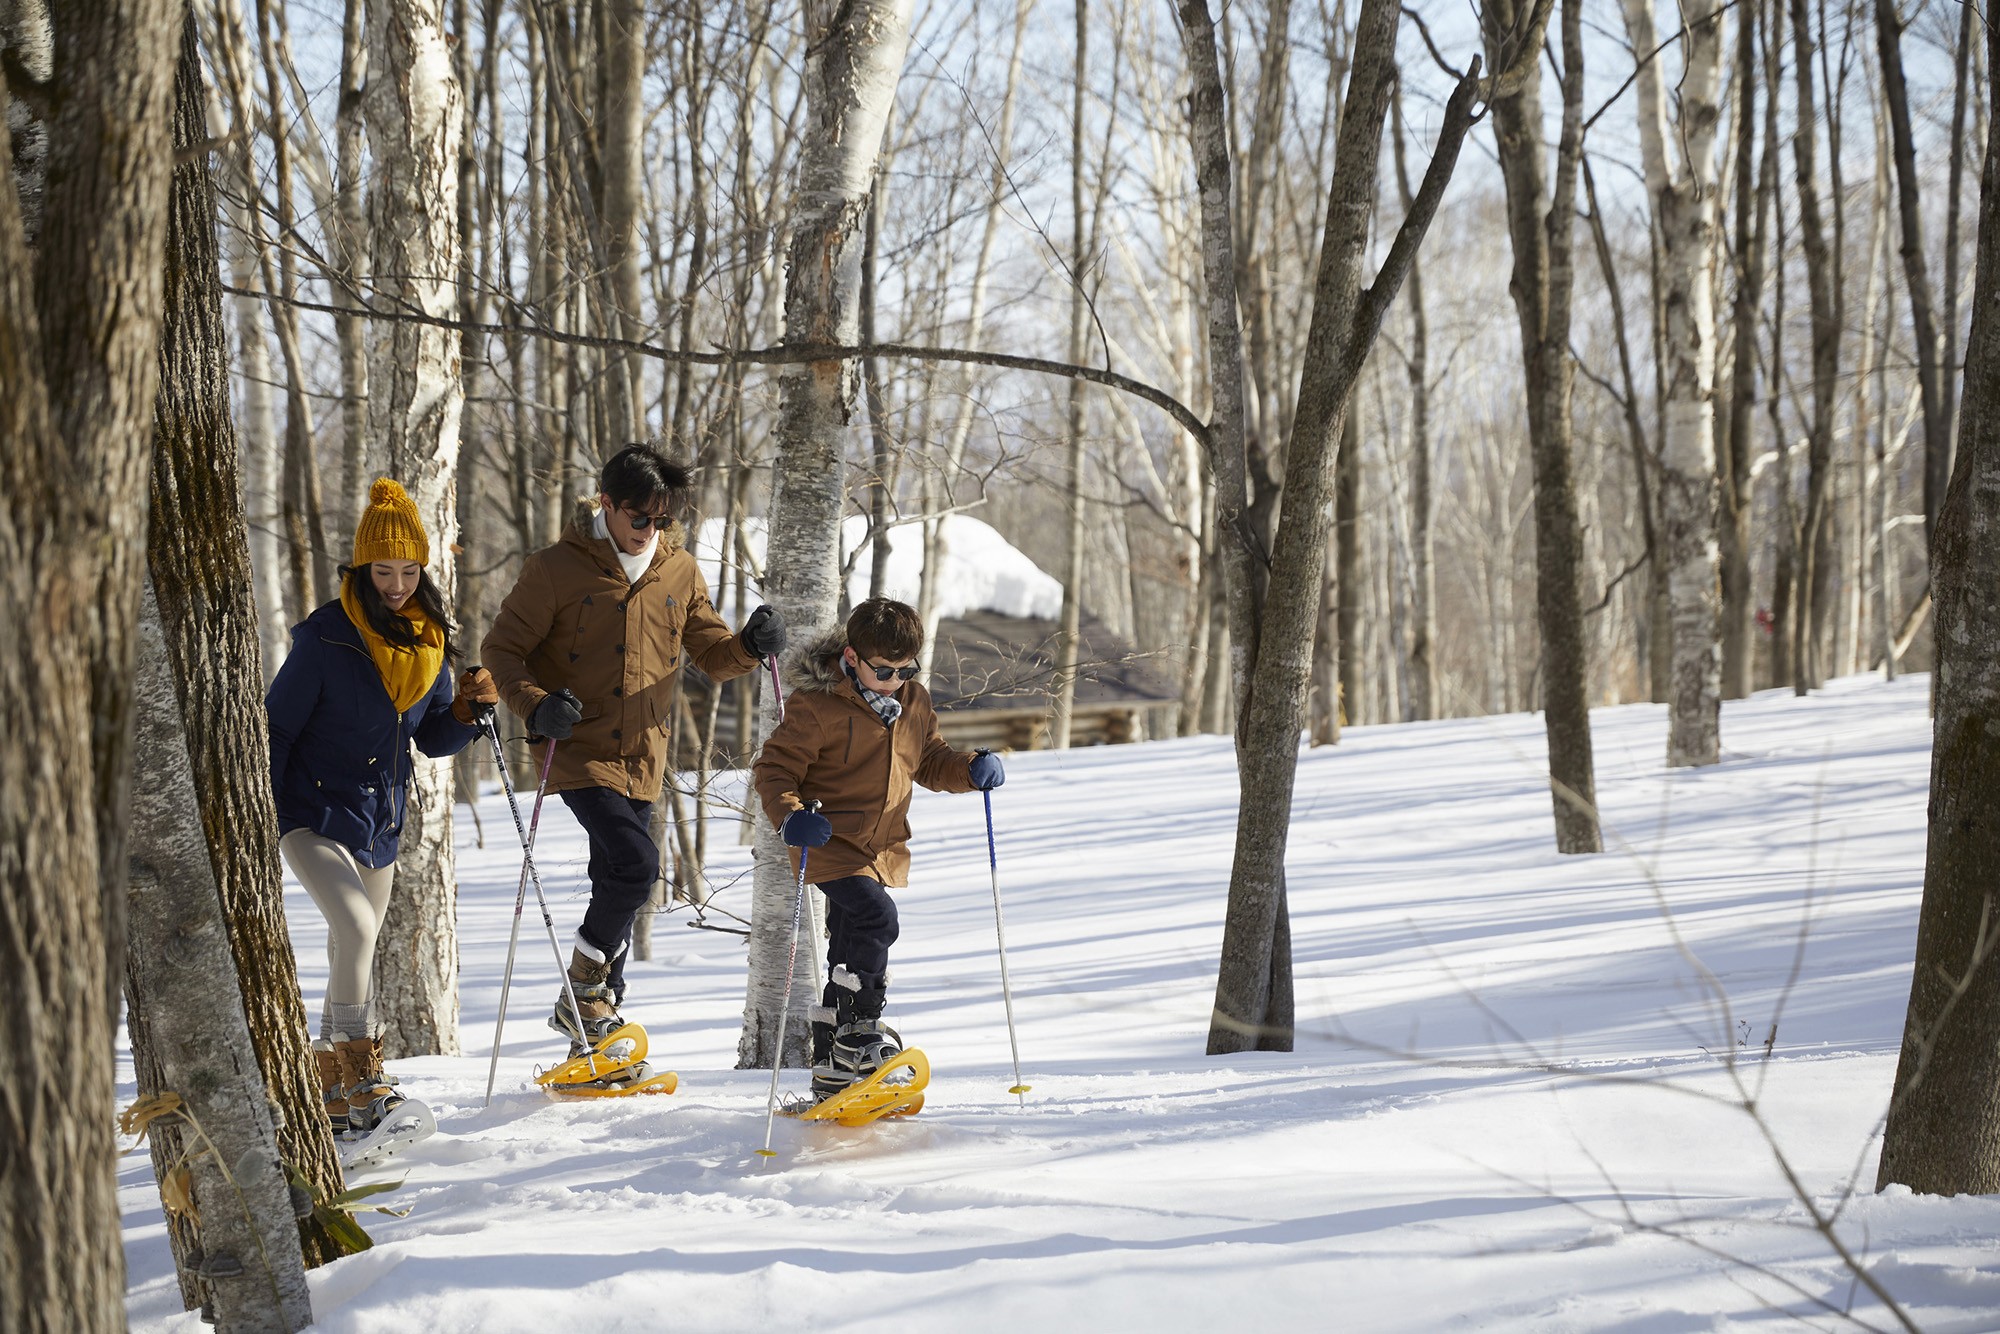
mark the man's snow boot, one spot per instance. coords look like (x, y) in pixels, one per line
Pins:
(850, 1041)
(590, 978)
(371, 1094)
(332, 1087)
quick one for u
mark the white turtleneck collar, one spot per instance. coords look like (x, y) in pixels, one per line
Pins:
(634, 565)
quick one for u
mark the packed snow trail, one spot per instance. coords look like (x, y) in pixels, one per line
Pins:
(1414, 1165)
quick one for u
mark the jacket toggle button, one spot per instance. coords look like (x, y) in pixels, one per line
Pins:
(618, 691)
(620, 648)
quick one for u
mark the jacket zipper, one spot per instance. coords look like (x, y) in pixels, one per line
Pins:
(403, 742)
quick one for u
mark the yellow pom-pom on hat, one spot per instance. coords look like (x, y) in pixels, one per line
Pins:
(390, 528)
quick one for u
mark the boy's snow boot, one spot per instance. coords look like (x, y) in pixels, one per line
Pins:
(857, 1041)
(332, 1088)
(590, 979)
(371, 1094)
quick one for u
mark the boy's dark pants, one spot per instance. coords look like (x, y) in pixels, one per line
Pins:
(624, 862)
(860, 927)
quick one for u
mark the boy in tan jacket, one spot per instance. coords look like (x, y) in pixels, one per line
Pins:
(858, 732)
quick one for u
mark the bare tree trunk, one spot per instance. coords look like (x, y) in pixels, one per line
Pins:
(1753, 204)
(79, 330)
(200, 565)
(1943, 1131)
(1067, 652)
(856, 56)
(1683, 201)
(1253, 1003)
(415, 120)
(27, 38)
(189, 1037)
(1243, 558)
(1348, 590)
(624, 131)
(348, 235)
(1923, 311)
(1423, 510)
(1827, 305)
(1541, 226)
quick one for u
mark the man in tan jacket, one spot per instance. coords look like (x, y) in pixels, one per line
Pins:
(586, 648)
(858, 732)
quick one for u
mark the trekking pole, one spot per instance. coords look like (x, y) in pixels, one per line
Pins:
(528, 863)
(521, 890)
(785, 1006)
(1000, 933)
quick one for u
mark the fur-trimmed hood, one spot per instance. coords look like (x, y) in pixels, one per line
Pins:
(813, 667)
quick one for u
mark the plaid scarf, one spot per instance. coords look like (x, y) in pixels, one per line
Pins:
(887, 707)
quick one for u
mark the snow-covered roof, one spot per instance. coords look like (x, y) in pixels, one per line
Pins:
(979, 570)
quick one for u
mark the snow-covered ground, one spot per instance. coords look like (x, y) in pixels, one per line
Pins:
(1413, 1165)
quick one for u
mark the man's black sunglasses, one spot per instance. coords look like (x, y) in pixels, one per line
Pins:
(641, 522)
(908, 673)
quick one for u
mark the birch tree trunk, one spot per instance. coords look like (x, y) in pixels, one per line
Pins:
(1253, 1001)
(1423, 702)
(199, 559)
(1683, 199)
(1943, 1132)
(240, 1256)
(79, 331)
(347, 232)
(1541, 225)
(416, 396)
(856, 56)
(1067, 650)
(1753, 211)
(1827, 307)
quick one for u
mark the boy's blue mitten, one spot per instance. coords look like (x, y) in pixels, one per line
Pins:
(986, 770)
(805, 829)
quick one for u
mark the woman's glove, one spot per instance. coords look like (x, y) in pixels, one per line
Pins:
(477, 694)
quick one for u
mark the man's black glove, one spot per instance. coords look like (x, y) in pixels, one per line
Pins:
(763, 635)
(556, 716)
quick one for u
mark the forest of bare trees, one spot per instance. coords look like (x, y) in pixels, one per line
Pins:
(1352, 363)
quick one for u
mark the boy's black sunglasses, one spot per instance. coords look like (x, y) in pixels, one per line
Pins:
(908, 673)
(641, 522)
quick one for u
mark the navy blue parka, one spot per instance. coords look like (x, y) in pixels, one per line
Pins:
(340, 753)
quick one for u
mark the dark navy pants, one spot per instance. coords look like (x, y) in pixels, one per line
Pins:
(860, 925)
(624, 862)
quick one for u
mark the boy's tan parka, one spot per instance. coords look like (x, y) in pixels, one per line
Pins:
(832, 748)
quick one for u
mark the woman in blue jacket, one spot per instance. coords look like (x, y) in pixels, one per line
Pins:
(366, 676)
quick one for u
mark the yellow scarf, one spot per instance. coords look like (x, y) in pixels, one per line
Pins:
(407, 673)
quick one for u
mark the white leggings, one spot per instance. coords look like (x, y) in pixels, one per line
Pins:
(354, 899)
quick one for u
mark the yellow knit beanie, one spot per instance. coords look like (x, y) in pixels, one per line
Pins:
(390, 528)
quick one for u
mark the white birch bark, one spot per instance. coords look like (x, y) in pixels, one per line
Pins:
(414, 115)
(856, 56)
(1683, 197)
(189, 1034)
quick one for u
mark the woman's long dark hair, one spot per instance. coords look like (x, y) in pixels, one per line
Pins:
(394, 628)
